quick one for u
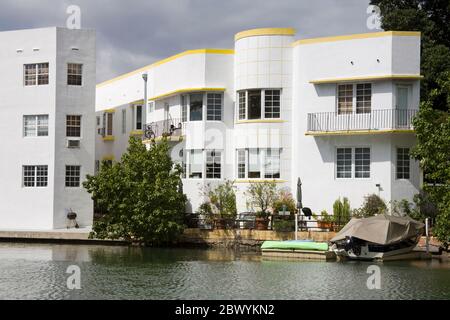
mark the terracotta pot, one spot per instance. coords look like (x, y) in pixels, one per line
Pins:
(324, 225)
(261, 224)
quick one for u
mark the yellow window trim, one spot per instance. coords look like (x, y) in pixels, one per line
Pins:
(356, 132)
(109, 138)
(259, 181)
(108, 157)
(358, 36)
(261, 121)
(373, 78)
(166, 60)
(136, 132)
(184, 90)
(265, 32)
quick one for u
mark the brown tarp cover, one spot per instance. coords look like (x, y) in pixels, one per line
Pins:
(381, 229)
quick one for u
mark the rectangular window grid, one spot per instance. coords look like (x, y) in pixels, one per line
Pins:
(213, 164)
(73, 126)
(36, 74)
(35, 176)
(241, 164)
(272, 164)
(74, 74)
(344, 163)
(214, 107)
(242, 102)
(345, 98)
(272, 104)
(363, 97)
(403, 163)
(73, 176)
(35, 125)
(362, 162)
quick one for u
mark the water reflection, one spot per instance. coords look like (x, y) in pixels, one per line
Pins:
(31, 271)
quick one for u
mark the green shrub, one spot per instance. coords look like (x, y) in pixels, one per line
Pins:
(284, 225)
(341, 211)
(373, 205)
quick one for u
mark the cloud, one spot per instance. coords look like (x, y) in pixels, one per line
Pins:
(134, 33)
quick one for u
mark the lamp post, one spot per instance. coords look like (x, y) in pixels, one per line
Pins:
(144, 105)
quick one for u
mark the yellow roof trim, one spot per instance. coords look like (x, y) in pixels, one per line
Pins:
(184, 90)
(373, 77)
(261, 121)
(163, 61)
(356, 132)
(265, 32)
(358, 36)
(112, 110)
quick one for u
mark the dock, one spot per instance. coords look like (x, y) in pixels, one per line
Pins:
(300, 254)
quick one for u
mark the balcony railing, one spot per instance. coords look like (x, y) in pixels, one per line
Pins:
(172, 127)
(386, 119)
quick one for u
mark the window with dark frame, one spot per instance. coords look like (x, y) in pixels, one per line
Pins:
(74, 74)
(254, 105)
(196, 107)
(73, 126)
(73, 176)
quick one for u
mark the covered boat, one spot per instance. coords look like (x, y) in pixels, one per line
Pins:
(377, 237)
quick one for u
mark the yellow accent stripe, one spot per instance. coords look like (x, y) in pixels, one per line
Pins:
(108, 157)
(109, 138)
(136, 133)
(184, 90)
(265, 32)
(160, 62)
(112, 110)
(259, 181)
(138, 102)
(374, 77)
(357, 132)
(358, 36)
(260, 121)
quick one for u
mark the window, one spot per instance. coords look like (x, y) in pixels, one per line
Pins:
(196, 107)
(97, 166)
(184, 108)
(108, 124)
(403, 163)
(36, 74)
(183, 163)
(259, 104)
(196, 164)
(73, 126)
(363, 97)
(272, 164)
(124, 121)
(241, 164)
(74, 74)
(344, 163)
(345, 98)
(73, 176)
(254, 104)
(213, 164)
(35, 126)
(137, 115)
(98, 121)
(272, 104)
(35, 176)
(254, 164)
(242, 104)
(214, 106)
(362, 162)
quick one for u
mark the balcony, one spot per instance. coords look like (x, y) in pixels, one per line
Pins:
(172, 129)
(376, 121)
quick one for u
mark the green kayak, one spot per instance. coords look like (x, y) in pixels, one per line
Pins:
(295, 245)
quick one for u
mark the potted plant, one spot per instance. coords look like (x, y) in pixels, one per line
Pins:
(261, 198)
(326, 221)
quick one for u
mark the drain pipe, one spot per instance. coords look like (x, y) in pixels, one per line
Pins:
(427, 243)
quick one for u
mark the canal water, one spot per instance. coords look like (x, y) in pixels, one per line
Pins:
(34, 271)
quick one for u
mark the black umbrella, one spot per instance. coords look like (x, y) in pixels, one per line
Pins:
(299, 195)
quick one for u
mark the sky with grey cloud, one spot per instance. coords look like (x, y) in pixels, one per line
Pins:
(134, 33)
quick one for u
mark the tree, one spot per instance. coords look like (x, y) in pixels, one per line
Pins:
(262, 196)
(141, 195)
(222, 199)
(432, 19)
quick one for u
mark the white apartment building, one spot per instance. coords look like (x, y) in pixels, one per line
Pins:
(335, 112)
(47, 127)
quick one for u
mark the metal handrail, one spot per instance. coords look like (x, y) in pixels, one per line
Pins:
(166, 127)
(353, 121)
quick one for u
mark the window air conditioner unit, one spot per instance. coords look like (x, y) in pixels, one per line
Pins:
(73, 143)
